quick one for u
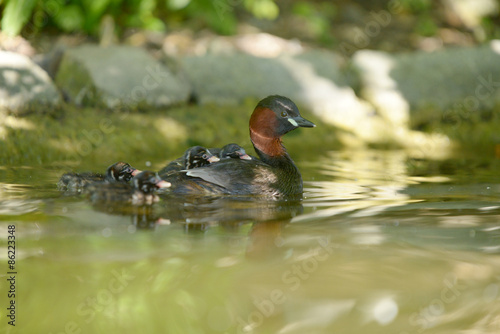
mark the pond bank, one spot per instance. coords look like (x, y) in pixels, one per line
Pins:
(93, 139)
(430, 102)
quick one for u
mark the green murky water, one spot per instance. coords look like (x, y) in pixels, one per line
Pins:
(381, 244)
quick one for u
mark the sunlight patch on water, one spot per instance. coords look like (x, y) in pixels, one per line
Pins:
(364, 184)
(367, 235)
(308, 316)
(18, 206)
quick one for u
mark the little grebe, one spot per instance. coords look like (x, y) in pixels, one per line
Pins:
(274, 175)
(194, 157)
(117, 172)
(140, 192)
(232, 150)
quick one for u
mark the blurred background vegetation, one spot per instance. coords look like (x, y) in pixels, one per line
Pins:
(85, 16)
(325, 23)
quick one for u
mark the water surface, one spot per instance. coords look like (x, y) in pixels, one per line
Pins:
(381, 243)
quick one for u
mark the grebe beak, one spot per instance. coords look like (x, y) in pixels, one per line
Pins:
(135, 172)
(163, 184)
(245, 157)
(213, 159)
(302, 122)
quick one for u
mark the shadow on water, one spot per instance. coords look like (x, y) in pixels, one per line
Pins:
(381, 243)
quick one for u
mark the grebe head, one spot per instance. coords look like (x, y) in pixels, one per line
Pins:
(147, 182)
(121, 171)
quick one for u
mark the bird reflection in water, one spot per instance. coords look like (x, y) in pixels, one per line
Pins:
(200, 214)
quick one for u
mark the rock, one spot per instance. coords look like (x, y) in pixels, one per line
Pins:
(16, 44)
(420, 87)
(118, 76)
(471, 12)
(54, 51)
(184, 43)
(231, 78)
(24, 86)
(266, 45)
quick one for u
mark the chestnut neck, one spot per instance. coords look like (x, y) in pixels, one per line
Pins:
(263, 123)
(271, 151)
(270, 146)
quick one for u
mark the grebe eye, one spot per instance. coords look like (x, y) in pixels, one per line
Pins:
(284, 114)
(205, 156)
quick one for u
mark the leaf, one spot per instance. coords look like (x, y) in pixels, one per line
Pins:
(96, 8)
(70, 18)
(154, 24)
(263, 9)
(16, 14)
(177, 4)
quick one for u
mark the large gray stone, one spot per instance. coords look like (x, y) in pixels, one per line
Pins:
(24, 86)
(118, 76)
(231, 78)
(420, 86)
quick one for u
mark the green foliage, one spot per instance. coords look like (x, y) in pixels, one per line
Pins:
(219, 15)
(416, 6)
(71, 18)
(86, 15)
(317, 18)
(491, 28)
(423, 10)
(426, 26)
(16, 14)
(222, 15)
(262, 9)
